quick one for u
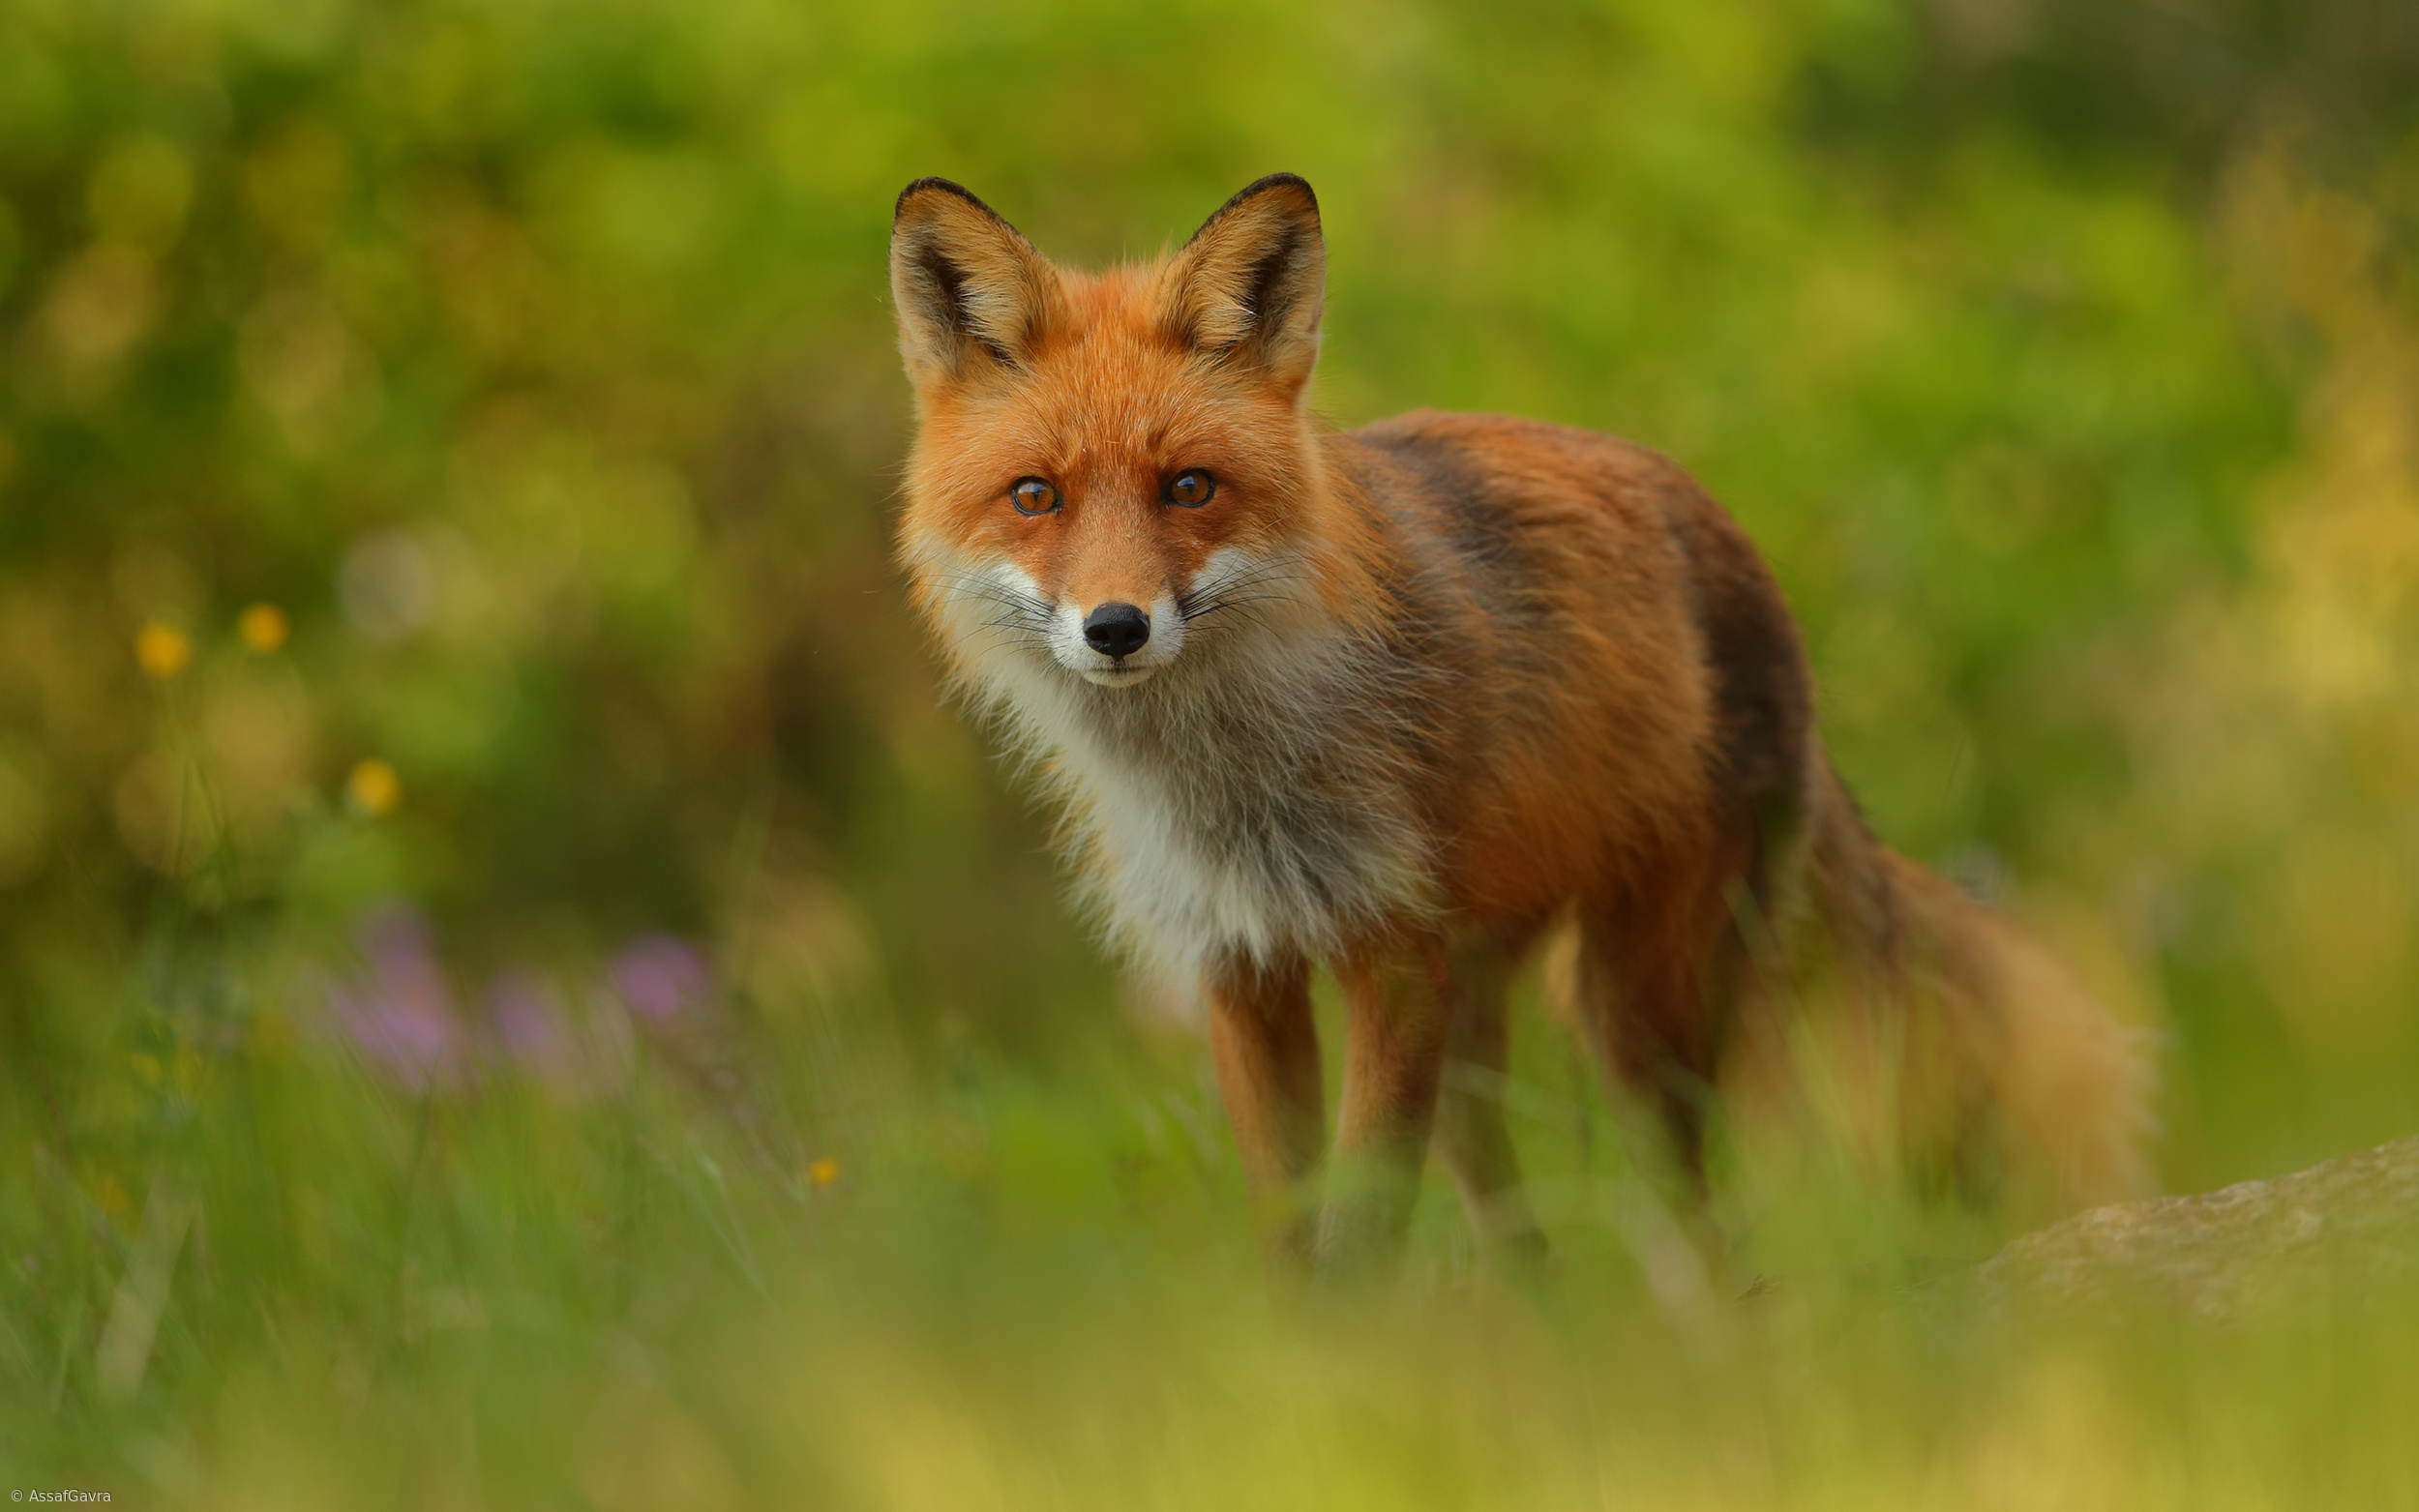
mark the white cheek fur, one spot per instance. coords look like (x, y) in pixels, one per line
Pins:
(1073, 652)
(993, 613)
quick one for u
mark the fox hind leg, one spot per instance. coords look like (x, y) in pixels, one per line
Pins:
(1660, 970)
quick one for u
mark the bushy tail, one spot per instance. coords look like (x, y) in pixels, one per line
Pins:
(1926, 1037)
(2007, 1070)
(2058, 1088)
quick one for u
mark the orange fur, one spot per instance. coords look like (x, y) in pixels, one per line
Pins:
(1407, 695)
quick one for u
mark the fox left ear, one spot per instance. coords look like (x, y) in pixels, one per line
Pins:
(971, 293)
(1252, 281)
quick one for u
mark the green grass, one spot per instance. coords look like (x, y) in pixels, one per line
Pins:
(1022, 1287)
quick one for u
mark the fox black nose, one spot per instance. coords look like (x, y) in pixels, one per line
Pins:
(1116, 628)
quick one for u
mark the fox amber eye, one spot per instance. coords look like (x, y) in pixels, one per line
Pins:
(1032, 497)
(1192, 488)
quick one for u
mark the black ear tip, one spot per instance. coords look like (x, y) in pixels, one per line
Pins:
(933, 185)
(1273, 181)
(1292, 186)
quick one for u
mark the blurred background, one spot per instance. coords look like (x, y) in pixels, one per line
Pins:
(477, 822)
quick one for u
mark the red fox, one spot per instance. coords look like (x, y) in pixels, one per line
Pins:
(1400, 699)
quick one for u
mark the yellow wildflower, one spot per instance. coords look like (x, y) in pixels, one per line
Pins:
(373, 788)
(824, 1170)
(263, 626)
(163, 650)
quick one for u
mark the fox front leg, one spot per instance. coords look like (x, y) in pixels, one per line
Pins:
(1266, 1047)
(1471, 1138)
(1394, 1025)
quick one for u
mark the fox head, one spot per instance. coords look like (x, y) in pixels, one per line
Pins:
(1104, 462)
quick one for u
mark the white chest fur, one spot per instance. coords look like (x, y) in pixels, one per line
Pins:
(1245, 802)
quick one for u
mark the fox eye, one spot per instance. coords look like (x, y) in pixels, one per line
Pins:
(1032, 497)
(1192, 488)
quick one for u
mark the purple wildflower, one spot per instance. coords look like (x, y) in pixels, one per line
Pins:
(528, 1019)
(659, 977)
(400, 1011)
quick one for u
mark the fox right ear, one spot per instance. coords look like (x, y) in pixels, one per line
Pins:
(970, 291)
(1250, 284)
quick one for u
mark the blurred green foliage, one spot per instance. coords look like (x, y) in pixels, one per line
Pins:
(532, 362)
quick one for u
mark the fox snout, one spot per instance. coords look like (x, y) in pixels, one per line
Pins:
(1114, 642)
(1117, 631)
